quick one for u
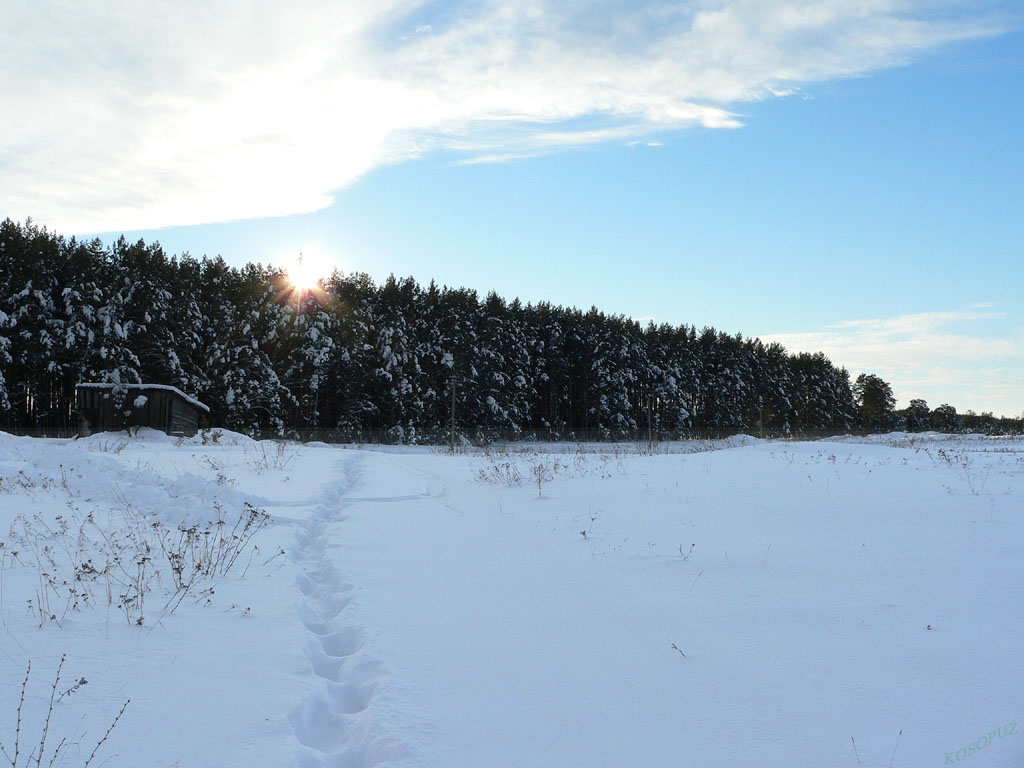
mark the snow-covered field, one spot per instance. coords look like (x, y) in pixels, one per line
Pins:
(853, 602)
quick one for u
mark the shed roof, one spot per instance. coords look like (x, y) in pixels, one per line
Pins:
(166, 387)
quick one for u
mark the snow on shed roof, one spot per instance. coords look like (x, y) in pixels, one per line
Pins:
(167, 387)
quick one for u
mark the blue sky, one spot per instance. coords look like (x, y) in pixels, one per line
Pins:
(845, 177)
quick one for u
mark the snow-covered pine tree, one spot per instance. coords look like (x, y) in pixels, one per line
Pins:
(306, 347)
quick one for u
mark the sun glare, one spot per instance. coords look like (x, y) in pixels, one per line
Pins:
(306, 270)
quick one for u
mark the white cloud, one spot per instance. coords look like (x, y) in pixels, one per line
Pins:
(940, 356)
(134, 115)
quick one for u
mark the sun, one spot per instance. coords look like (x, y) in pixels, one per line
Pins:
(306, 270)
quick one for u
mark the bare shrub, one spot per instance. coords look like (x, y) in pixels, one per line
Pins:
(501, 473)
(272, 456)
(79, 562)
(542, 472)
(14, 752)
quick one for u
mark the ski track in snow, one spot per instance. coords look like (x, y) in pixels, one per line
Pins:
(336, 725)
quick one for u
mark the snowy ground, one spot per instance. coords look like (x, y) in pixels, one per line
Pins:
(737, 603)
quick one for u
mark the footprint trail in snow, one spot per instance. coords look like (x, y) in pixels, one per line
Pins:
(336, 725)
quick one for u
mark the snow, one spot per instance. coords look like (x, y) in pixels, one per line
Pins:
(739, 602)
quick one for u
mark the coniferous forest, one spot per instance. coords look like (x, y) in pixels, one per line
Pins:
(397, 362)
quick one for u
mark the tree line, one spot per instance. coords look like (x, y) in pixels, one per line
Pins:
(877, 412)
(395, 362)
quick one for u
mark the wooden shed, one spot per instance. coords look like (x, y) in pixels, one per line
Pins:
(113, 407)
